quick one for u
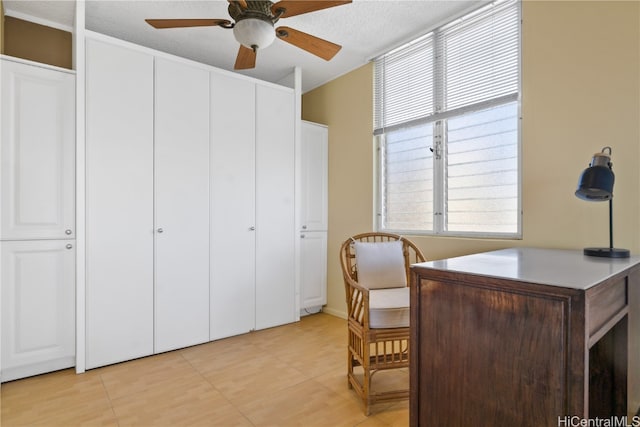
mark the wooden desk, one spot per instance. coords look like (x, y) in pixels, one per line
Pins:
(524, 337)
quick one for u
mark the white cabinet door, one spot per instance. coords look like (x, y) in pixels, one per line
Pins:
(275, 207)
(37, 153)
(38, 307)
(232, 206)
(181, 205)
(314, 177)
(119, 203)
(313, 259)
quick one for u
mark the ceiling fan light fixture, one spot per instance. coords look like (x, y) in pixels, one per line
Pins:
(254, 33)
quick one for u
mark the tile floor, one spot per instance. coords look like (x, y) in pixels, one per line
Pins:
(292, 375)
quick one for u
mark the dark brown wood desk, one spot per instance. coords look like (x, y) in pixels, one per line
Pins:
(524, 337)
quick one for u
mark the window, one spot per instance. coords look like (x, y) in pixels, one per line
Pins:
(446, 118)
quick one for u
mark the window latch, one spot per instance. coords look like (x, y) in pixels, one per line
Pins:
(437, 153)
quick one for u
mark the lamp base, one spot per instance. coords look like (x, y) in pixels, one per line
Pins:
(607, 252)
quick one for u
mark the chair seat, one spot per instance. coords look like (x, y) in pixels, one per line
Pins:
(389, 308)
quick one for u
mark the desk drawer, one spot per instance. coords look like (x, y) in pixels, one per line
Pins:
(606, 304)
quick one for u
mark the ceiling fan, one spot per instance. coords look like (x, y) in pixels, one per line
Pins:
(254, 27)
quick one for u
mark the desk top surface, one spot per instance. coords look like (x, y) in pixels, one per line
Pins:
(555, 267)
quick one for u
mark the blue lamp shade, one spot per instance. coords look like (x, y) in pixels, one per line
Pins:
(596, 184)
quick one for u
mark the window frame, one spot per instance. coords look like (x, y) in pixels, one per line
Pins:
(440, 185)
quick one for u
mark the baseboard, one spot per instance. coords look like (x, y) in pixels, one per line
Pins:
(340, 314)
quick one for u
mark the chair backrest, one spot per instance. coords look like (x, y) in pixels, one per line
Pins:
(410, 252)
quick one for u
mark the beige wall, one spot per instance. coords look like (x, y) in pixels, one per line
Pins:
(27, 40)
(580, 92)
(1, 27)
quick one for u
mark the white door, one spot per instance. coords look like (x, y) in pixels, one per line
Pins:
(314, 172)
(275, 207)
(38, 152)
(119, 204)
(313, 259)
(181, 205)
(232, 206)
(38, 307)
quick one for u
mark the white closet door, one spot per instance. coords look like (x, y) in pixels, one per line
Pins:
(38, 307)
(181, 205)
(275, 210)
(119, 204)
(38, 152)
(232, 206)
(314, 172)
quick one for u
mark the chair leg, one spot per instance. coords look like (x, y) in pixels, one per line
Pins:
(349, 368)
(366, 379)
(367, 390)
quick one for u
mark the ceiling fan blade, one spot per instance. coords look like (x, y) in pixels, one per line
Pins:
(246, 58)
(312, 44)
(177, 23)
(242, 3)
(298, 7)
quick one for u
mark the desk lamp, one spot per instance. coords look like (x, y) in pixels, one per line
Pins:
(596, 185)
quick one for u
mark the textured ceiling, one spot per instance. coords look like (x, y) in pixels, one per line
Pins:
(59, 12)
(364, 28)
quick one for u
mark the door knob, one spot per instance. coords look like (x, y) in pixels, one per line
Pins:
(304, 227)
(67, 232)
(160, 230)
(252, 228)
(69, 246)
(302, 236)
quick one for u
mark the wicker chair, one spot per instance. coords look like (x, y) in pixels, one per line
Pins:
(378, 338)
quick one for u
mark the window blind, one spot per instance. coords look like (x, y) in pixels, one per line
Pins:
(467, 63)
(403, 88)
(480, 57)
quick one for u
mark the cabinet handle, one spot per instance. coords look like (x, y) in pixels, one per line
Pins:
(302, 236)
(160, 230)
(252, 228)
(67, 232)
(69, 246)
(304, 227)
